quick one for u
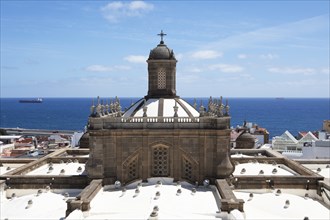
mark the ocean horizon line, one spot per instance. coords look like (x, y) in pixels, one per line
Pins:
(139, 97)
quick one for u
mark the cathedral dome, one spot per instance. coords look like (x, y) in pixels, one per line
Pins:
(162, 107)
(161, 52)
(245, 141)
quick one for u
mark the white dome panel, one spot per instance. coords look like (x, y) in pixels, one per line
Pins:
(152, 110)
(191, 109)
(169, 109)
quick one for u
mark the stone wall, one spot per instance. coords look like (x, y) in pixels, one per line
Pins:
(131, 154)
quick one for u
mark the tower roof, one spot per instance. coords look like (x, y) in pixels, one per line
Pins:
(161, 52)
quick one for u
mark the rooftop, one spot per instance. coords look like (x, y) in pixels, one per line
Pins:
(173, 200)
(281, 204)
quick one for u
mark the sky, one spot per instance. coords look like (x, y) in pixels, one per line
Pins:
(224, 48)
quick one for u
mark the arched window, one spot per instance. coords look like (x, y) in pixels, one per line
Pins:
(160, 161)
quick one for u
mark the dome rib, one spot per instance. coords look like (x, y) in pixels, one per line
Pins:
(184, 107)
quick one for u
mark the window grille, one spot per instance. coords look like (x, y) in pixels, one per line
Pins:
(162, 79)
(160, 165)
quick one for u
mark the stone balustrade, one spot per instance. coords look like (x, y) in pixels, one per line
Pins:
(97, 123)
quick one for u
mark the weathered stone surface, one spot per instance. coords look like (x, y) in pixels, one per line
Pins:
(131, 154)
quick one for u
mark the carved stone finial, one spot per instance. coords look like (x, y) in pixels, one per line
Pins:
(221, 107)
(98, 108)
(195, 104)
(227, 108)
(145, 108)
(111, 106)
(209, 105)
(118, 100)
(92, 109)
(201, 110)
(106, 108)
(119, 111)
(102, 107)
(175, 107)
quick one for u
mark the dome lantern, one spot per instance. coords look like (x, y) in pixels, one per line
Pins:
(161, 71)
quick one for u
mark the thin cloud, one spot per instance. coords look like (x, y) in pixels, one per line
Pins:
(292, 70)
(179, 56)
(206, 54)
(102, 68)
(325, 70)
(188, 78)
(246, 76)
(136, 59)
(233, 77)
(305, 82)
(268, 56)
(289, 32)
(226, 68)
(242, 56)
(98, 68)
(115, 11)
(94, 80)
(195, 70)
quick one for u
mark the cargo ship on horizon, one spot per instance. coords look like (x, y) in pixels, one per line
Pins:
(38, 100)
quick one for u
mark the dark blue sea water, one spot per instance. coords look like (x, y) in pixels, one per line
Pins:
(276, 115)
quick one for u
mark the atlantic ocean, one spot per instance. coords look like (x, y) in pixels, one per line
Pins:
(275, 114)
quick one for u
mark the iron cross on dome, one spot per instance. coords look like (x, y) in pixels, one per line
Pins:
(162, 34)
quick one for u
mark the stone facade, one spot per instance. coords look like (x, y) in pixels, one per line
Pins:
(127, 147)
(191, 153)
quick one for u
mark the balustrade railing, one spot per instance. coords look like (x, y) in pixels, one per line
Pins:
(156, 119)
(159, 122)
